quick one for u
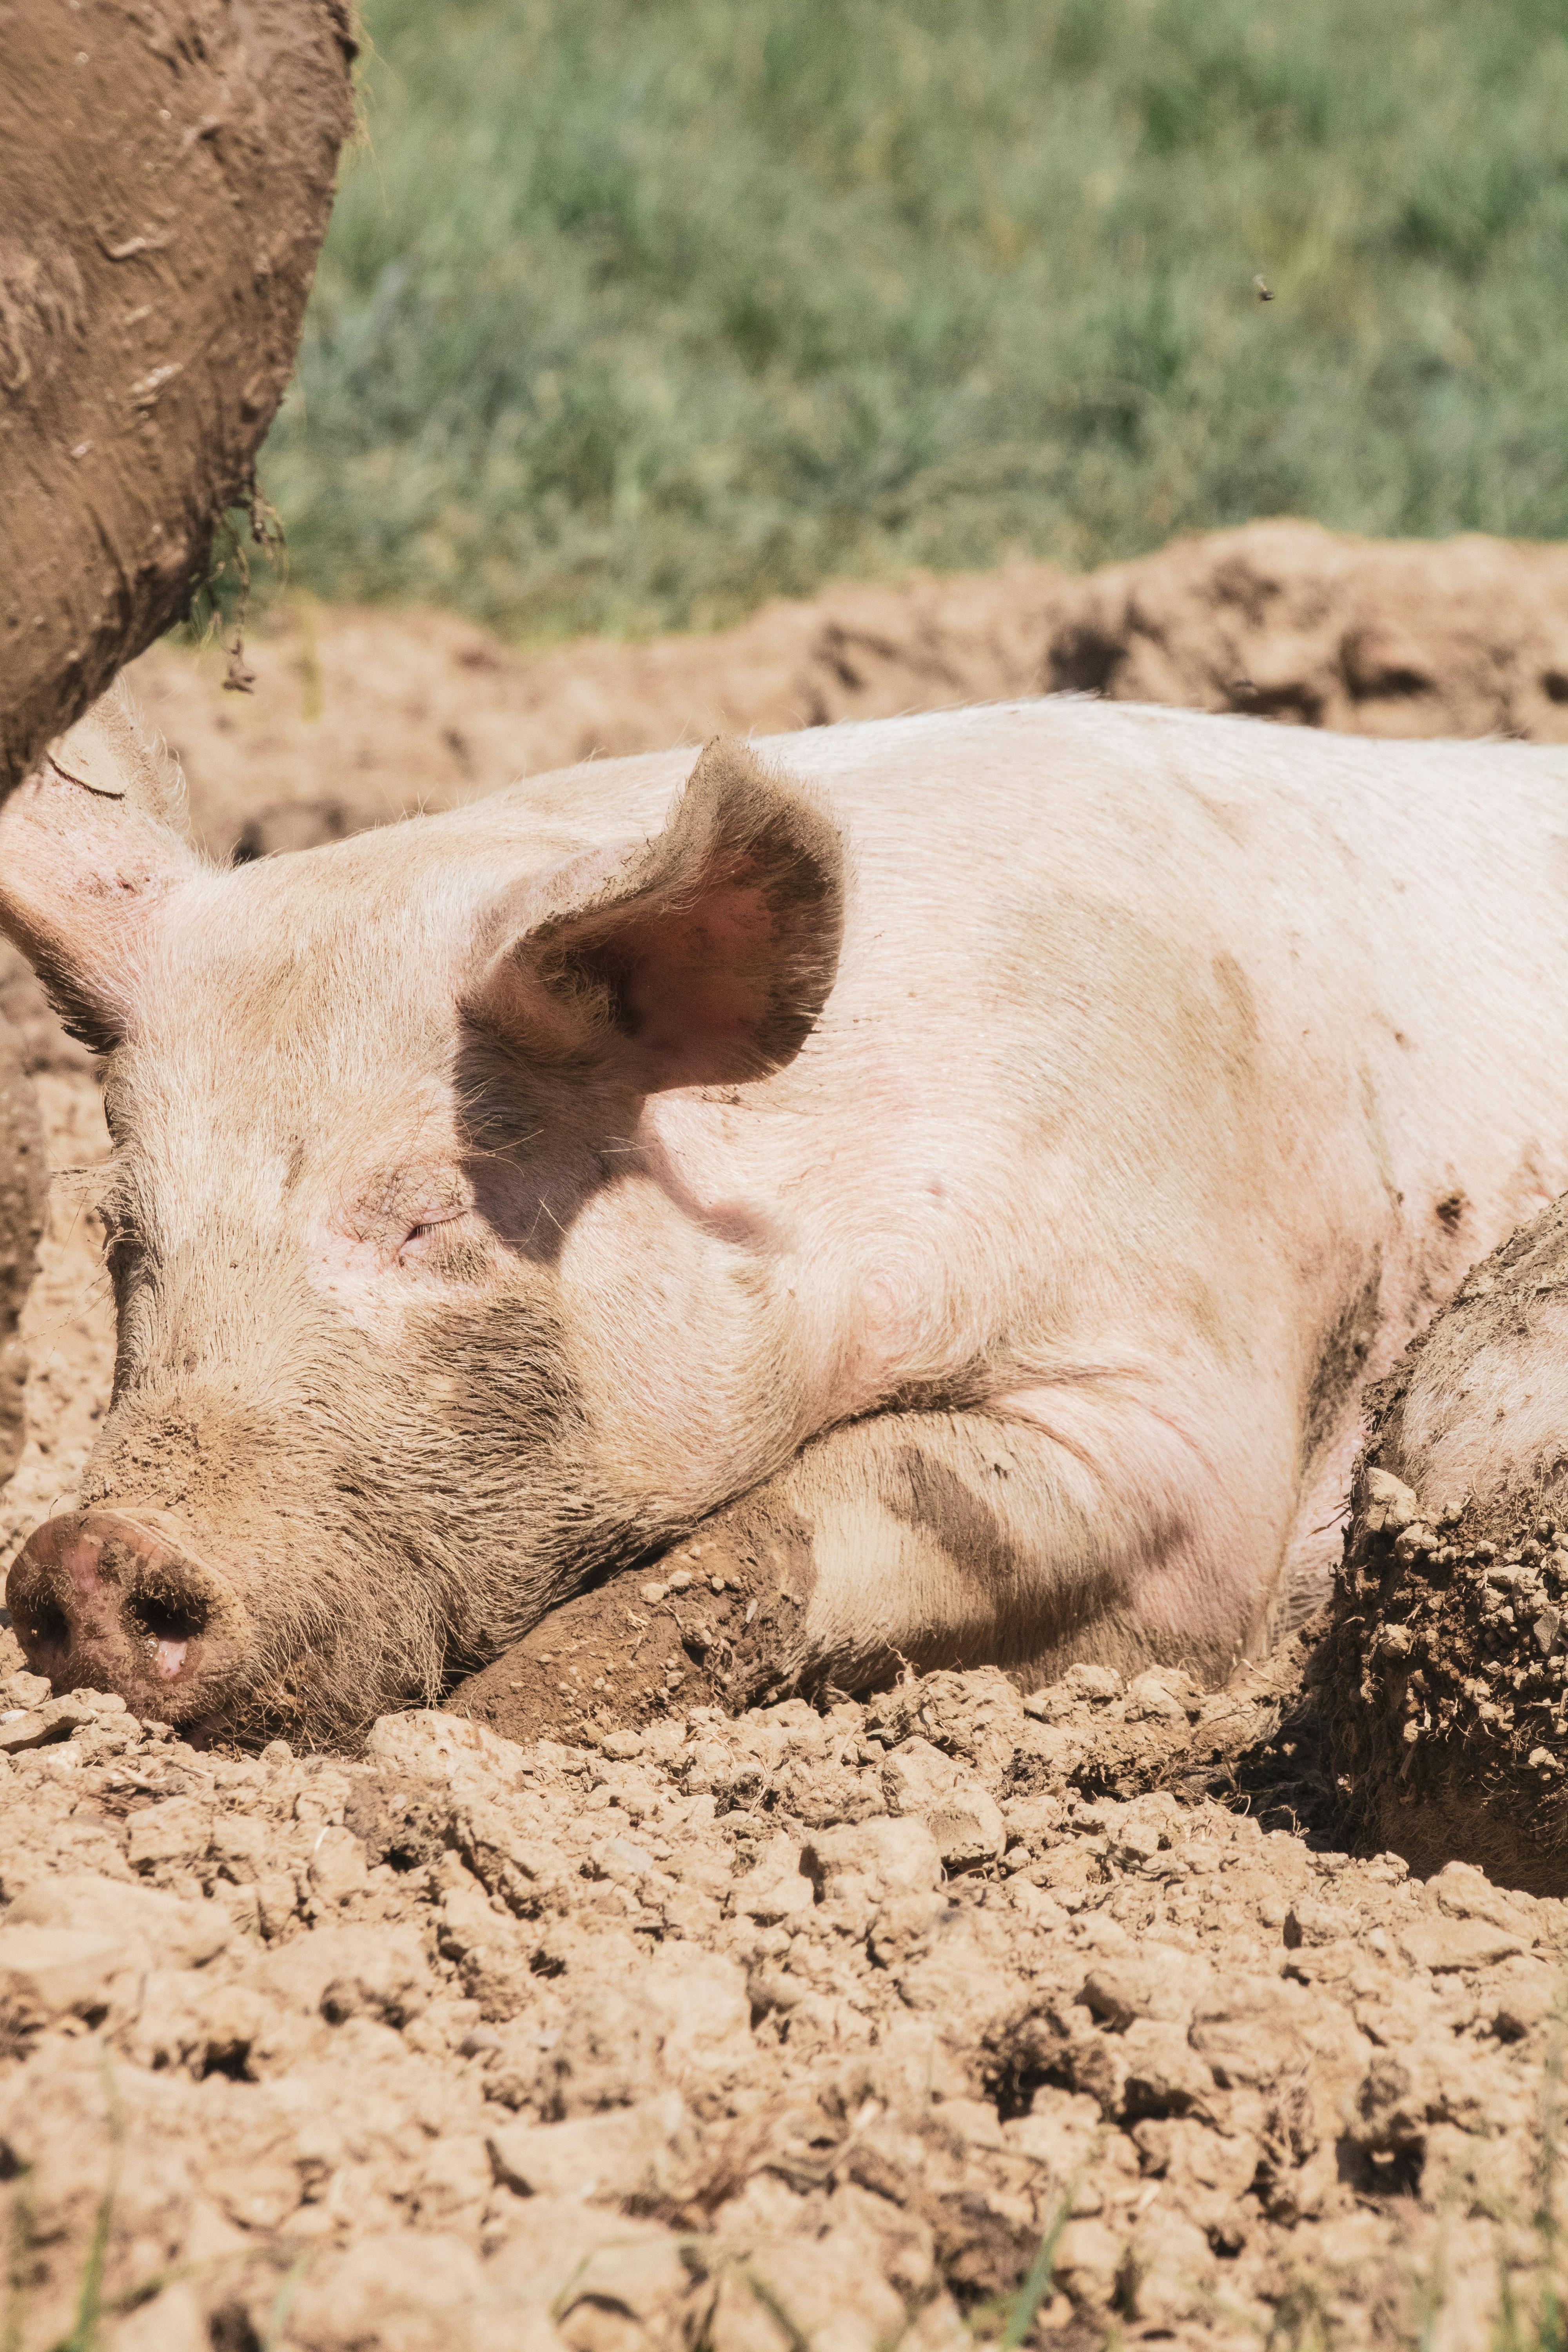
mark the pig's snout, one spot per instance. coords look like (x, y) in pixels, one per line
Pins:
(104, 1600)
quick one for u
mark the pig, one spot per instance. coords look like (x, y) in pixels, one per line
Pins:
(1001, 1140)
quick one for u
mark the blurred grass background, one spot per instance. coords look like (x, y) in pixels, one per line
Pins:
(635, 312)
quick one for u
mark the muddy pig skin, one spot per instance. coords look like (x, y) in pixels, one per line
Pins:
(1004, 1139)
(1444, 1675)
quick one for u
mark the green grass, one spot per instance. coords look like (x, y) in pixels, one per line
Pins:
(634, 313)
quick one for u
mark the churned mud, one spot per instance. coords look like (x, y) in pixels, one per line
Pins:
(1445, 1676)
(959, 2013)
(357, 717)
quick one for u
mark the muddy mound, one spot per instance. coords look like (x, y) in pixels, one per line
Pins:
(1443, 1678)
(365, 716)
(1290, 622)
(387, 712)
(151, 299)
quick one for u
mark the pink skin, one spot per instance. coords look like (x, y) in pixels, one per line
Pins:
(1152, 1047)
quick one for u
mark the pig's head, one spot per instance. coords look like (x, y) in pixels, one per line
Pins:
(397, 1253)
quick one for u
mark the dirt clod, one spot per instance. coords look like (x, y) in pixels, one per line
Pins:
(1445, 1676)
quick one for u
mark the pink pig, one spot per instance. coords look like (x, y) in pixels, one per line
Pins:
(1008, 1138)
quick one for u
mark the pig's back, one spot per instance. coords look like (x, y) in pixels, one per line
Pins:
(999, 800)
(1388, 916)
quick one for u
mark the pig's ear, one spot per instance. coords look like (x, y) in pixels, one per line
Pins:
(702, 959)
(90, 852)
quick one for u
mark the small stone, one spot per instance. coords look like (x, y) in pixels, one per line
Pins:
(682, 1581)
(179, 1831)
(1391, 1507)
(434, 1745)
(51, 1972)
(1094, 1683)
(73, 1712)
(611, 2158)
(276, 1900)
(1308, 1922)
(653, 1593)
(968, 1828)
(874, 1861)
(21, 1729)
(778, 1888)
(620, 1747)
(1449, 1945)
(1149, 1700)
(338, 1865)
(1089, 2260)
(1134, 1843)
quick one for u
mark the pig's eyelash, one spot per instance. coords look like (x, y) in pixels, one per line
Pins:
(430, 1226)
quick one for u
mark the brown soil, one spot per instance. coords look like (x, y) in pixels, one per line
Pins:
(24, 1189)
(805, 2027)
(657, 2027)
(166, 176)
(358, 716)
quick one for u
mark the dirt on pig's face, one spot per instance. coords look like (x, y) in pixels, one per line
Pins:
(390, 1242)
(342, 1378)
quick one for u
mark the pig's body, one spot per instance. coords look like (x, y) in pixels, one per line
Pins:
(1174, 1070)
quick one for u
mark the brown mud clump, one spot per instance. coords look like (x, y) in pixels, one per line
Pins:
(22, 1189)
(165, 177)
(1443, 1680)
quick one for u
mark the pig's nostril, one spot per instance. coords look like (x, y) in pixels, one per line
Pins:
(167, 1628)
(45, 1626)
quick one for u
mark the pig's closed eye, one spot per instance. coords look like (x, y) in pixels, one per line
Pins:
(417, 1239)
